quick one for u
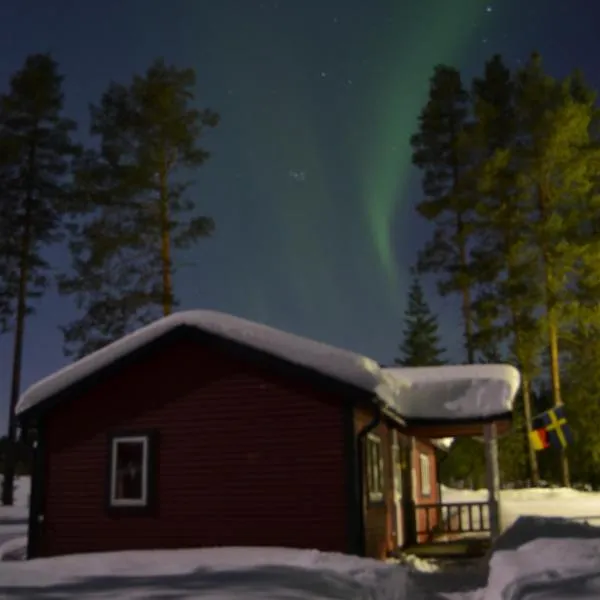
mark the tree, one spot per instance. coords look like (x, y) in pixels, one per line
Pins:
(557, 164)
(421, 345)
(136, 210)
(503, 261)
(439, 150)
(7, 245)
(36, 139)
(579, 339)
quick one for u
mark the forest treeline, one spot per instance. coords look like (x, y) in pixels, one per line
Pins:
(510, 165)
(119, 202)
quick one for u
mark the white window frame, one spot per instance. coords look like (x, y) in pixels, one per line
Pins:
(129, 439)
(425, 473)
(378, 475)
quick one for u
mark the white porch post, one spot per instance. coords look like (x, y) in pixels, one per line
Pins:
(492, 472)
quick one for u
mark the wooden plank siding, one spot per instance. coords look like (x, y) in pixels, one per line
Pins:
(380, 517)
(427, 520)
(246, 457)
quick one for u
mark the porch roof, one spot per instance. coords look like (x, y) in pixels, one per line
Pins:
(454, 401)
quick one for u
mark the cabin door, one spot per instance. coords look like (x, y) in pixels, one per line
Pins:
(397, 474)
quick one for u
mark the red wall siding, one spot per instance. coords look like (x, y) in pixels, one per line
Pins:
(246, 458)
(422, 447)
(378, 516)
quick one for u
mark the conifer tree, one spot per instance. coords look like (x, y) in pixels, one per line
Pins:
(35, 162)
(439, 151)
(579, 340)
(138, 212)
(503, 261)
(557, 164)
(421, 345)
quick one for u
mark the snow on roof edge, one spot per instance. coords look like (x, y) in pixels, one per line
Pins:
(346, 366)
(453, 393)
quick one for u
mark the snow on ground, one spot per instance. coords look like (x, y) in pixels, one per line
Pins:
(20, 509)
(220, 573)
(535, 558)
(541, 502)
(13, 521)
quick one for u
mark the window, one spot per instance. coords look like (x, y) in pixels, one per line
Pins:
(374, 463)
(425, 475)
(129, 471)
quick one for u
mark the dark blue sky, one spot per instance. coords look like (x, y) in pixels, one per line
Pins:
(310, 183)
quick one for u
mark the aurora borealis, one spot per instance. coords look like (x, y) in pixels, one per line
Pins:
(310, 182)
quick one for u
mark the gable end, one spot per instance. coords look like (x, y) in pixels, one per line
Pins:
(227, 347)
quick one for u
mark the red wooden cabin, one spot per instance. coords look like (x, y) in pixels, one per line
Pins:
(207, 430)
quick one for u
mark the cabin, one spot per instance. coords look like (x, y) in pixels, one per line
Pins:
(203, 429)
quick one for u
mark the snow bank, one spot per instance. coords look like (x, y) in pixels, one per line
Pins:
(210, 574)
(554, 559)
(14, 548)
(535, 558)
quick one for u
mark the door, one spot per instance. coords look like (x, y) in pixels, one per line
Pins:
(397, 467)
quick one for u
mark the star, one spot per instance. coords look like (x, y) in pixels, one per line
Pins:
(336, 20)
(488, 9)
(299, 176)
(323, 74)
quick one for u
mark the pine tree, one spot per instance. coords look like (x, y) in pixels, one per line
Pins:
(506, 301)
(421, 345)
(557, 165)
(7, 243)
(579, 340)
(138, 211)
(36, 139)
(440, 152)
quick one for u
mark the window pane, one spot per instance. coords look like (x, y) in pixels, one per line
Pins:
(129, 464)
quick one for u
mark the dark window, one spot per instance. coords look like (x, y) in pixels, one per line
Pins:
(374, 463)
(129, 471)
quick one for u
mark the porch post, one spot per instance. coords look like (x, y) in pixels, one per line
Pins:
(492, 472)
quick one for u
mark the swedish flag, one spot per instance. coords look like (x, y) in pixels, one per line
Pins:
(554, 422)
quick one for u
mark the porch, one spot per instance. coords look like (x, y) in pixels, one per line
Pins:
(450, 530)
(457, 529)
(473, 401)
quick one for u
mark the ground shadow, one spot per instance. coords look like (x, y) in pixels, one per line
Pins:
(281, 582)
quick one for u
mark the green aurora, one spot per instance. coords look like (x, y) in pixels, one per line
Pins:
(361, 128)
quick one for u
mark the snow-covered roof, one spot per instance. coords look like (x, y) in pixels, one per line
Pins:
(343, 365)
(439, 393)
(461, 392)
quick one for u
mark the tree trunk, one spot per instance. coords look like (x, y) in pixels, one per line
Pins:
(533, 463)
(165, 251)
(10, 456)
(526, 387)
(466, 296)
(556, 391)
(552, 334)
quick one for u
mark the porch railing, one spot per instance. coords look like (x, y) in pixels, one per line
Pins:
(452, 518)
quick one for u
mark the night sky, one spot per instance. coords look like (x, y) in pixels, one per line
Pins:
(310, 182)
